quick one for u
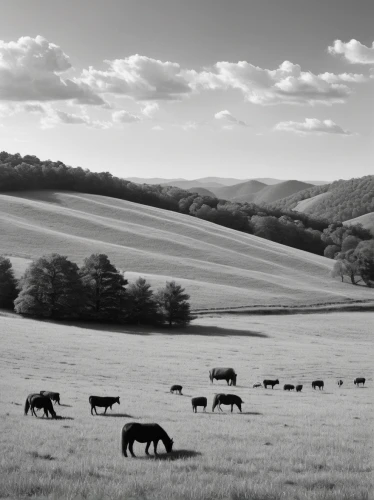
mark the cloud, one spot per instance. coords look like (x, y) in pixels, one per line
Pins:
(228, 117)
(312, 126)
(353, 51)
(285, 85)
(150, 109)
(30, 70)
(54, 117)
(190, 125)
(125, 117)
(157, 128)
(343, 77)
(139, 77)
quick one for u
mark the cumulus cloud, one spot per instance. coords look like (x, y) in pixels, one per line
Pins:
(312, 126)
(31, 69)
(190, 125)
(353, 51)
(343, 77)
(150, 109)
(285, 85)
(139, 77)
(226, 116)
(125, 117)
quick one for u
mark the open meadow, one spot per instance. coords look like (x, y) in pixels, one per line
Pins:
(306, 446)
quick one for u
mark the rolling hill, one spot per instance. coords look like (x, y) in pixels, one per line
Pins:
(220, 267)
(258, 192)
(367, 221)
(342, 200)
(244, 190)
(202, 191)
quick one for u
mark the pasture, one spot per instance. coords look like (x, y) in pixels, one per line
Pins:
(285, 445)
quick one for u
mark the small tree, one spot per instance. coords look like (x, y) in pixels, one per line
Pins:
(50, 288)
(347, 265)
(141, 303)
(104, 289)
(330, 251)
(173, 304)
(8, 284)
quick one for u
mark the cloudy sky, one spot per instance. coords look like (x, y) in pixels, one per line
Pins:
(176, 88)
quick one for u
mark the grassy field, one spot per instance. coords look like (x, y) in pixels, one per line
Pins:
(306, 446)
(218, 266)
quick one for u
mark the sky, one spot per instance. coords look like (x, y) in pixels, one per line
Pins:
(177, 88)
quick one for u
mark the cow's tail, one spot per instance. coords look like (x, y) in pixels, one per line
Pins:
(27, 406)
(123, 441)
(214, 402)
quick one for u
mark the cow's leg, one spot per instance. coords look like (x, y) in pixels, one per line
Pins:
(125, 448)
(105, 410)
(131, 443)
(232, 406)
(204, 408)
(219, 407)
(92, 410)
(147, 447)
(95, 410)
(155, 443)
(240, 408)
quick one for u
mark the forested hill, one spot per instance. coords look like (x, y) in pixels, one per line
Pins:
(283, 226)
(340, 200)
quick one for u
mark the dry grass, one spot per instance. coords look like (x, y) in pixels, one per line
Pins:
(307, 446)
(218, 266)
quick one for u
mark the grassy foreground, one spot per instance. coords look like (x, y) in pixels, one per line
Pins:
(313, 445)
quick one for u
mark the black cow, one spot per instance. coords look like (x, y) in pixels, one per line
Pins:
(53, 396)
(227, 399)
(359, 380)
(38, 401)
(288, 387)
(340, 383)
(102, 402)
(176, 388)
(227, 374)
(199, 401)
(270, 382)
(318, 383)
(299, 388)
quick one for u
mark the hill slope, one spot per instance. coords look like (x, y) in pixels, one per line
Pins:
(218, 266)
(202, 191)
(366, 220)
(281, 190)
(244, 190)
(346, 199)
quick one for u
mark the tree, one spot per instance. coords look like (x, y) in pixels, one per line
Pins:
(330, 251)
(365, 261)
(173, 304)
(105, 293)
(348, 266)
(141, 303)
(8, 284)
(50, 288)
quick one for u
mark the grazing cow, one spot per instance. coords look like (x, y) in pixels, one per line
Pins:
(53, 396)
(258, 384)
(144, 433)
(299, 388)
(318, 383)
(227, 374)
(176, 388)
(288, 387)
(227, 399)
(37, 401)
(340, 383)
(199, 401)
(270, 382)
(103, 402)
(359, 380)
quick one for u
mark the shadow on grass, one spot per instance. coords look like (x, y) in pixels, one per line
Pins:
(59, 417)
(118, 415)
(174, 455)
(66, 406)
(203, 330)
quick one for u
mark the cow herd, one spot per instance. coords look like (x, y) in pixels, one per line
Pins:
(148, 433)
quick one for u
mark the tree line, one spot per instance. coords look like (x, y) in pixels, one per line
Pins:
(55, 287)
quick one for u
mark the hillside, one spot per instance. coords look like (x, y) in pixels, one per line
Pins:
(281, 190)
(346, 199)
(367, 221)
(244, 191)
(201, 191)
(219, 267)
